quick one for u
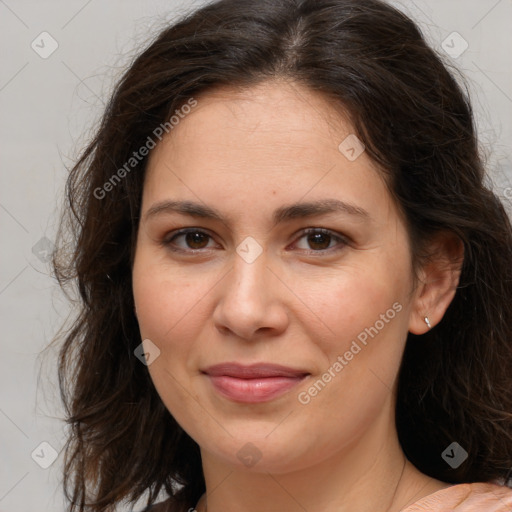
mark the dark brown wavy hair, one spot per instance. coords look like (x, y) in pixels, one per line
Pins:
(415, 118)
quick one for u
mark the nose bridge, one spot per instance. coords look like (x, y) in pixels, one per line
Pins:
(248, 279)
(249, 301)
(249, 267)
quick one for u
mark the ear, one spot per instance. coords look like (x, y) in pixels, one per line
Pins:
(438, 281)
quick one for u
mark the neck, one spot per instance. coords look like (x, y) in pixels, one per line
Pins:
(372, 474)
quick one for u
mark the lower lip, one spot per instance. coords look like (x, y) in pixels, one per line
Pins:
(255, 390)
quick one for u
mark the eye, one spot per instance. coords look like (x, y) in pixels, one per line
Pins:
(193, 238)
(320, 240)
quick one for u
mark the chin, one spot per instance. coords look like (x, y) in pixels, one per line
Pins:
(261, 450)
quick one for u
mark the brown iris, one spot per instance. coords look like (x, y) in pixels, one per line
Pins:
(317, 238)
(196, 240)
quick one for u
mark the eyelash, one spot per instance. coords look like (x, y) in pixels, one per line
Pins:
(168, 240)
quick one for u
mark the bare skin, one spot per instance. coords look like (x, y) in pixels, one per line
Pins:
(247, 154)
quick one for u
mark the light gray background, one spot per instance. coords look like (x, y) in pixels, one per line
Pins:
(48, 110)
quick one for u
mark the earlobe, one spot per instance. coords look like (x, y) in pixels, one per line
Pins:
(439, 279)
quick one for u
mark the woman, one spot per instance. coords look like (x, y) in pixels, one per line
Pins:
(294, 284)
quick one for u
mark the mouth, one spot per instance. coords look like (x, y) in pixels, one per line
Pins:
(254, 383)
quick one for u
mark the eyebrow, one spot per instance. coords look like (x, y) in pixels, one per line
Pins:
(280, 215)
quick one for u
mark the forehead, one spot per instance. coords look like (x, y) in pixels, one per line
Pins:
(275, 139)
(276, 116)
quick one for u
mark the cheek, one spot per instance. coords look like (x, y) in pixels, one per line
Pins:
(361, 349)
(168, 313)
(349, 303)
(362, 317)
(163, 303)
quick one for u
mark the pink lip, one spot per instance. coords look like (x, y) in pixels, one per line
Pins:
(254, 383)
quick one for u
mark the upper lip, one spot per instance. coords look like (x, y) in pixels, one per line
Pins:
(253, 371)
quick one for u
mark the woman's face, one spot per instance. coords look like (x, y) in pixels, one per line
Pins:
(295, 256)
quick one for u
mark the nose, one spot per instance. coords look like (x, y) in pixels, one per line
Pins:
(252, 301)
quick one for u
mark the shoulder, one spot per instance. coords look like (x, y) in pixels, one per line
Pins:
(474, 497)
